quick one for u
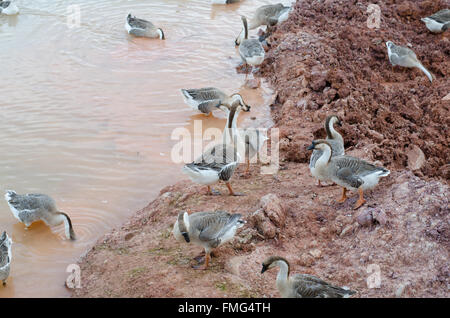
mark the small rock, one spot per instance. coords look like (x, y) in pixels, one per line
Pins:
(128, 236)
(346, 230)
(416, 157)
(253, 83)
(273, 208)
(306, 260)
(379, 216)
(316, 253)
(365, 218)
(446, 97)
(401, 289)
(263, 224)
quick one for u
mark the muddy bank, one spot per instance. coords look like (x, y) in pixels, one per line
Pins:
(395, 118)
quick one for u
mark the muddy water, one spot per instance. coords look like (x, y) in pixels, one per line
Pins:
(87, 114)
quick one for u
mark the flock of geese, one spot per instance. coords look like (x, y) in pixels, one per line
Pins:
(209, 230)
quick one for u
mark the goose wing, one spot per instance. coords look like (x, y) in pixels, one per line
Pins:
(205, 94)
(350, 167)
(213, 225)
(251, 47)
(442, 16)
(316, 154)
(309, 286)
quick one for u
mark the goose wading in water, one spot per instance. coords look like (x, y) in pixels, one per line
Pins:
(224, 1)
(29, 208)
(8, 8)
(218, 163)
(206, 229)
(143, 28)
(438, 22)
(349, 172)
(334, 139)
(302, 285)
(403, 56)
(250, 50)
(5, 257)
(207, 99)
(268, 15)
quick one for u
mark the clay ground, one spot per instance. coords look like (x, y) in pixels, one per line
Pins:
(395, 118)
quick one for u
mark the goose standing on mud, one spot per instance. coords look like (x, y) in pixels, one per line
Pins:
(8, 8)
(438, 22)
(5, 257)
(337, 146)
(207, 229)
(402, 56)
(219, 162)
(29, 208)
(268, 15)
(207, 99)
(250, 50)
(143, 28)
(349, 172)
(302, 285)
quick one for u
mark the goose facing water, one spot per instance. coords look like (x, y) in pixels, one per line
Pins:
(143, 28)
(8, 8)
(268, 15)
(302, 285)
(5, 257)
(438, 22)
(218, 162)
(349, 172)
(403, 56)
(207, 229)
(207, 99)
(29, 208)
(337, 146)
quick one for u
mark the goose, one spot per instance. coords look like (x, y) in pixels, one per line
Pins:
(302, 285)
(219, 161)
(250, 50)
(268, 15)
(250, 141)
(8, 8)
(348, 172)
(28, 208)
(142, 28)
(207, 229)
(334, 139)
(403, 56)
(5, 257)
(438, 22)
(208, 99)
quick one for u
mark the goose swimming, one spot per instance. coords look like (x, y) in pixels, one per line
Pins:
(224, 1)
(29, 208)
(5, 257)
(268, 15)
(207, 229)
(250, 50)
(8, 8)
(403, 56)
(348, 172)
(302, 285)
(438, 22)
(207, 99)
(334, 139)
(218, 162)
(143, 28)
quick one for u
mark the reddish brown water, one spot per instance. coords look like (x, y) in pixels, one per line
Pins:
(87, 114)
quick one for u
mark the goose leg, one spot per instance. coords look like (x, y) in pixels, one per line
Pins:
(232, 192)
(361, 200)
(344, 196)
(211, 191)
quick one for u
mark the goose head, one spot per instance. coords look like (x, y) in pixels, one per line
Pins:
(235, 104)
(181, 227)
(333, 119)
(273, 261)
(319, 144)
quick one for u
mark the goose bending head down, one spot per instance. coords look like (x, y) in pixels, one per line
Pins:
(250, 50)
(302, 285)
(336, 141)
(8, 8)
(143, 28)
(218, 163)
(349, 172)
(32, 207)
(207, 229)
(403, 56)
(207, 99)
(5, 257)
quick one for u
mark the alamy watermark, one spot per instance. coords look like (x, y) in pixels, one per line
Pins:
(374, 19)
(73, 16)
(74, 279)
(374, 279)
